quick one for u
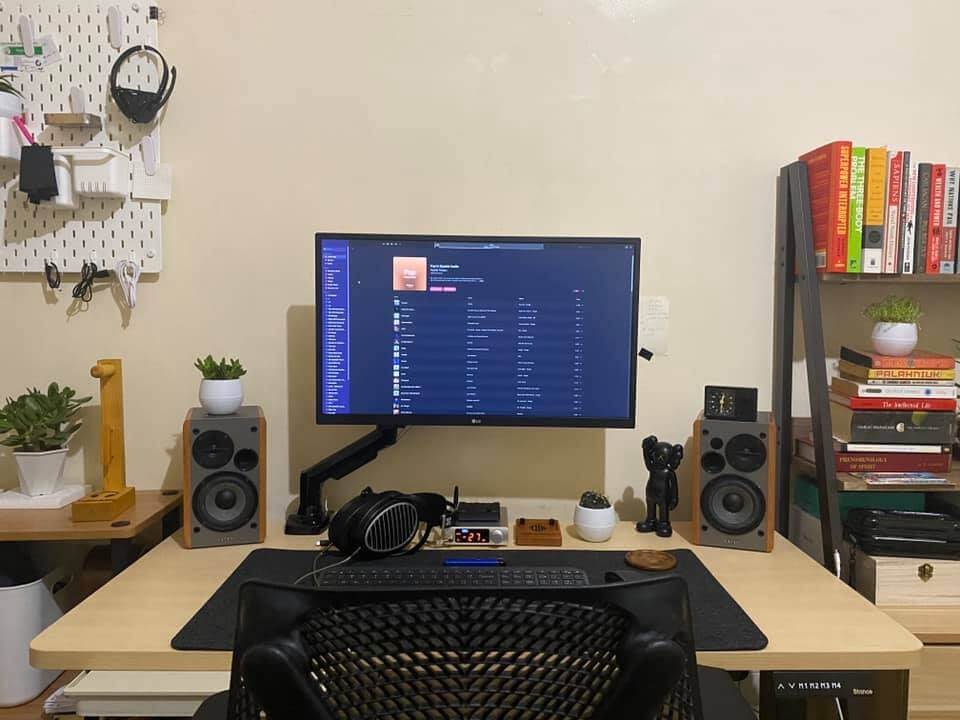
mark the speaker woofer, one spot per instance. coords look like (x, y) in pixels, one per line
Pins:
(224, 501)
(733, 504)
(212, 449)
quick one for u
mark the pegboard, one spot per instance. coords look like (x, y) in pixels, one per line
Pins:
(102, 230)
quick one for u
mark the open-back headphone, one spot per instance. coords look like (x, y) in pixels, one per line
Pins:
(380, 524)
(142, 106)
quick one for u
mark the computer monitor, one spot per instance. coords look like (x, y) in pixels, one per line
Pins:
(458, 330)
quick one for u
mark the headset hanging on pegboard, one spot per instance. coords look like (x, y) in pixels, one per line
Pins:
(142, 106)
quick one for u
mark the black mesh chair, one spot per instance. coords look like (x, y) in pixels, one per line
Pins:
(622, 651)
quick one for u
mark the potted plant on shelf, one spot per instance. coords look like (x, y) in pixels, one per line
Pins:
(895, 329)
(37, 426)
(594, 517)
(11, 101)
(221, 392)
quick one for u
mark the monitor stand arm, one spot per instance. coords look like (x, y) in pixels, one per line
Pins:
(312, 517)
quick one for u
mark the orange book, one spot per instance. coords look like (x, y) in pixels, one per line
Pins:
(828, 177)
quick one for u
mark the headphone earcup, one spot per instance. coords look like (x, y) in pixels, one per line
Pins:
(341, 525)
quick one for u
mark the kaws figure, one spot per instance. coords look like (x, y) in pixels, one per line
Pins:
(662, 460)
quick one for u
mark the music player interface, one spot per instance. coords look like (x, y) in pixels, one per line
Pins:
(467, 328)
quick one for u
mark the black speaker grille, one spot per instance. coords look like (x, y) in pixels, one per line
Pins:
(733, 504)
(224, 501)
(212, 449)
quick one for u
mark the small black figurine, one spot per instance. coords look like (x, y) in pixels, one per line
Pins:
(662, 459)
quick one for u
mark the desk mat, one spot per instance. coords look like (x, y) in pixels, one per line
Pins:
(719, 623)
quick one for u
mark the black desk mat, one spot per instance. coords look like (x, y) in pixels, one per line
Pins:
(719, 623)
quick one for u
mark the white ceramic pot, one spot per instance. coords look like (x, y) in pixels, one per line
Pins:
(10, 143)
(41, 473)
(10, 105)
(221, 397)
(896, 339)
(594, 524)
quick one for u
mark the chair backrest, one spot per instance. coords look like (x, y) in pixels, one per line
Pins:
(612, 652)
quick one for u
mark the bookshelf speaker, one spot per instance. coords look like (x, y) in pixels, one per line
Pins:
(224, 478)
(734, 482)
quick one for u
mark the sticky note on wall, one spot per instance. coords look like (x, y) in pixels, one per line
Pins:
(654, 324)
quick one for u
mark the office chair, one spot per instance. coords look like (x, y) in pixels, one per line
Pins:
(615, 652)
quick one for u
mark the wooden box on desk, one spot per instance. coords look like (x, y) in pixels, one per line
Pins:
(906, 581)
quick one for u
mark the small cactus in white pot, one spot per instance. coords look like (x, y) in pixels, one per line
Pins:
(594, 517)
(895, 330)
(221, 392)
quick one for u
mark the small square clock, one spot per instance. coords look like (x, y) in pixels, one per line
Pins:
(730, 403)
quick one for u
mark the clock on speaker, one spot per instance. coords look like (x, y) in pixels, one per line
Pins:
(224, 478)
(734, 482)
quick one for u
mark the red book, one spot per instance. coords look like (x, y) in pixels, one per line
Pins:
(881, 462)
(901, 404)
(828, 176)
(917, 360)
(938, 177)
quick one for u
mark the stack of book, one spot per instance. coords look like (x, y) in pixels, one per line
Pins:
(894, 418)
(880, 211)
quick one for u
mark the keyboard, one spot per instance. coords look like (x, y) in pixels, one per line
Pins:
(503, 577)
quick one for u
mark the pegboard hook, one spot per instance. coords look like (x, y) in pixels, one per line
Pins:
(26, 35)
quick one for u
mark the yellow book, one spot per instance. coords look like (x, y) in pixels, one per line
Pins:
(874, 207)
(858, 371)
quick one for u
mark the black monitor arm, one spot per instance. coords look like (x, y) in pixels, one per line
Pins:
(312, 517)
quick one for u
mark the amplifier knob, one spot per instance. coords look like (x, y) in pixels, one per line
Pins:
(498, 536)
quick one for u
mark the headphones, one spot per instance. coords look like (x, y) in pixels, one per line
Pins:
(381, 524)
(141, 106)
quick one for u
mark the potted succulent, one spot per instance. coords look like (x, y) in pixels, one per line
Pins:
(594, 517)
(11, 101)
(37, 426)
(895, 329)
(221, 392)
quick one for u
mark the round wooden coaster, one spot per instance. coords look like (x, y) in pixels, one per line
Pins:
(650, 560)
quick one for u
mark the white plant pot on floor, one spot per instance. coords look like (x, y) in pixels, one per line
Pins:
(41, 473)
(221, 397)
(594, 524)
(896, 339)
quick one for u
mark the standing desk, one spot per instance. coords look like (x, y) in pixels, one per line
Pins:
(814, 621)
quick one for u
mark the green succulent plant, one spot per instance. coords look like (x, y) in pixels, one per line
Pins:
(894, 309)
(7, 87)
(594, 500)
(38, 421)
(222, 370)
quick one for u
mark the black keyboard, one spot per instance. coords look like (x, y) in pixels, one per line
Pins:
(505, 577)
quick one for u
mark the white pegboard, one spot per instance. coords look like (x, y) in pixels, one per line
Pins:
(101, 229)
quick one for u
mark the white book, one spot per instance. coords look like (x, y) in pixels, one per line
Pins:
(891, 226)
(853, 388)
(908, 241)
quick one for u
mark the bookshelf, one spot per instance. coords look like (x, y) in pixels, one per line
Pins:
(797, 281)
(840, 279)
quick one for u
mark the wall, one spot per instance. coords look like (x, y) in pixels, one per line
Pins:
(666, 119)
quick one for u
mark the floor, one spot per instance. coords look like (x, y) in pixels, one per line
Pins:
(34, 710)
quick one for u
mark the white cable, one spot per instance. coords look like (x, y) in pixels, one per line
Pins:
(128, 274)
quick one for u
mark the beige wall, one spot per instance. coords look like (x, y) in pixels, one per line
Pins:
(666, 119)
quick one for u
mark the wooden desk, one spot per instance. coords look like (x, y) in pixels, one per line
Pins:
(813, 621)
(57, 525)
(151, 506)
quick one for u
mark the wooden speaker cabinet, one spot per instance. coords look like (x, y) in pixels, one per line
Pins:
(734, 483)
(224, 478)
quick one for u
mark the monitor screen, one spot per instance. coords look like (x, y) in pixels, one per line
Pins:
(456, 330)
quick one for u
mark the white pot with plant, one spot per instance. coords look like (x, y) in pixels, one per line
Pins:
(11, 105)
(895, 329)
(37, 426)
(221, 392)
(594, 517)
